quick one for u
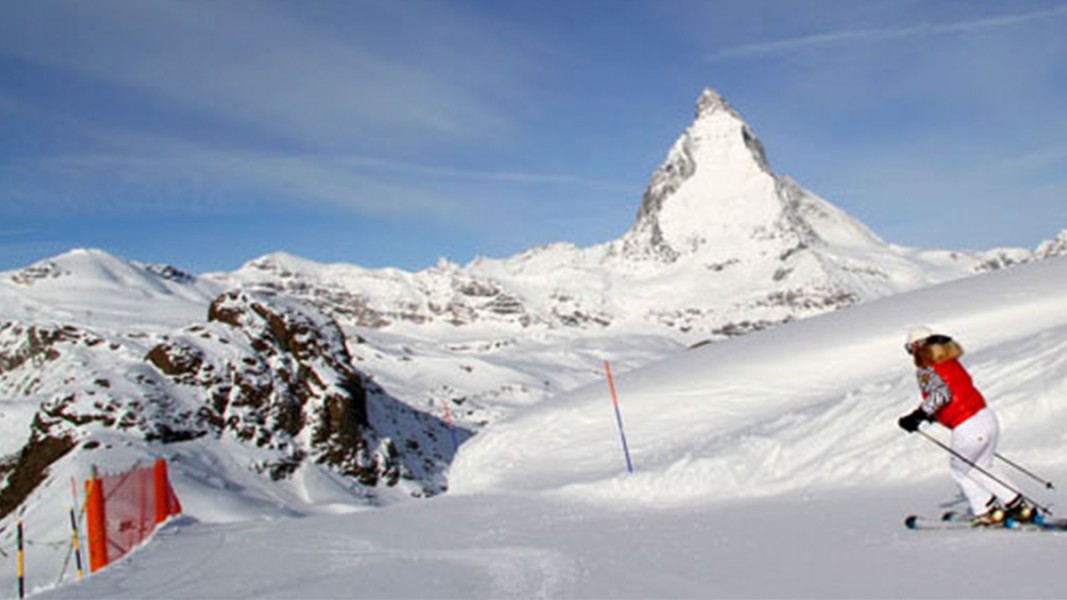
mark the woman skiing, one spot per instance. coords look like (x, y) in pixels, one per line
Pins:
(950, 398)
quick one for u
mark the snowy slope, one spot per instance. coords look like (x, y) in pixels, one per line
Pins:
(698, 422)
(93, 287)
(767, 466)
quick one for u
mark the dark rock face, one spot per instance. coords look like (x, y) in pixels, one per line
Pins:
(30, 467)
(287, 375)
(266, 371)
(64, 366)
(37, 344)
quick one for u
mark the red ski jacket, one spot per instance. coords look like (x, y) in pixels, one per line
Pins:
(966, 400)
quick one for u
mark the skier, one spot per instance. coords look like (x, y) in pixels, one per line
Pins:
(950, 398)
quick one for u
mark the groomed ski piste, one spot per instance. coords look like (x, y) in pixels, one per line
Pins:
(770, 465)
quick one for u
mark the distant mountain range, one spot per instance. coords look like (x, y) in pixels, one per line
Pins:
(359, 372)
(721, 245)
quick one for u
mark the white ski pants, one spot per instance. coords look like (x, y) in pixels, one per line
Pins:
(976, 439)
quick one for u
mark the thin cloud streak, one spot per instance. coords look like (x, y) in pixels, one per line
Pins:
(211, 181)
(14, 233)
(208, 182)
(486, 176)
(251, 106)
(877, 35)
(215, 57)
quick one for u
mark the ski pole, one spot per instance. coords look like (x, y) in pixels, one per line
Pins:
(1047, 484)
(1040, 507)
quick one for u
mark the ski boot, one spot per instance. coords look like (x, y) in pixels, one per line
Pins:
(995, 516)
(1020, 511)
(990, 518)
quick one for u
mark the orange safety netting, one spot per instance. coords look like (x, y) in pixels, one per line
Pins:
(124, 509)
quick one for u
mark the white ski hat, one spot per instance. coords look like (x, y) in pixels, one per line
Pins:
(916, 335)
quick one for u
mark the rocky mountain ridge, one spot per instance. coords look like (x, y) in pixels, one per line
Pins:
(267, 372)
(720, 245)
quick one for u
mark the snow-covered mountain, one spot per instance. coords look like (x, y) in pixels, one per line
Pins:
(721, 245)
(268, 372)
(305, 371)
(769, 465)
(93, 287)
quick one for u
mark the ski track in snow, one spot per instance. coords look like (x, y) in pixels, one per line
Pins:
(833, 543)
(331, 557)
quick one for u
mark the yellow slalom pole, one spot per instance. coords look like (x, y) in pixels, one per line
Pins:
(74, 530)
(77, 545)
(22, 564)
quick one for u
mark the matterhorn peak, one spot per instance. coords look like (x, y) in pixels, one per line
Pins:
(711, 102)
(714, 186)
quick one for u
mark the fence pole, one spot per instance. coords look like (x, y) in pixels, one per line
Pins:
(159, 479)
(618, 417)
(96, 522)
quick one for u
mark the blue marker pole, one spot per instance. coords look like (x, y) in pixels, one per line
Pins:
(618, 417)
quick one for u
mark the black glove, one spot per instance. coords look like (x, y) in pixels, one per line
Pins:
(911, 421)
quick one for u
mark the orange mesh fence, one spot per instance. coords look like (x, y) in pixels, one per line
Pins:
(124, 509)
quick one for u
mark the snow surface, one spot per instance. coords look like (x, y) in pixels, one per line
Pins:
(766, 466)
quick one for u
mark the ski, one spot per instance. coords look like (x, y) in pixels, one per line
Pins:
(958, 521)
(1050, 524)
(920, 522)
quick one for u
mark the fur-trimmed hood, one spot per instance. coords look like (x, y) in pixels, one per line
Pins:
(937, 349)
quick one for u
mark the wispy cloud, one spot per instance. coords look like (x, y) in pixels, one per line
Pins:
(273, 69)
(512, 177)
(199, 180)
(259, 99)
(13, 233)
(882, 34)
(1051, 159)
(205, 183)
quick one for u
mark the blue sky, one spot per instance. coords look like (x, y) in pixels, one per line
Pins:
(205, 133)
